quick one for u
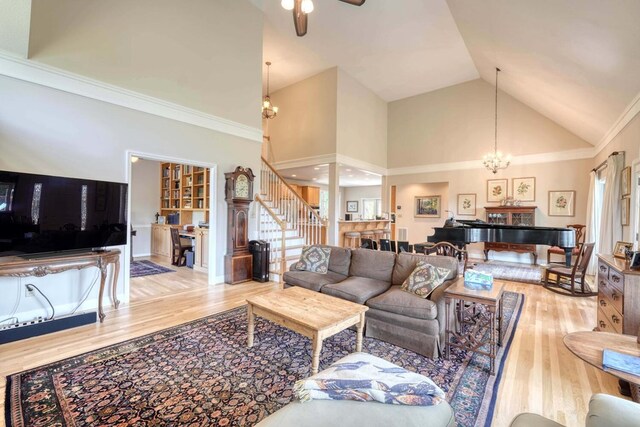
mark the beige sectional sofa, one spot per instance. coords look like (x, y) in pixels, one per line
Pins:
(374, 278)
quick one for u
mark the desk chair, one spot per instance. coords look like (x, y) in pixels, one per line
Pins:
(404, 247)
(580, 236)
(368, 244)
(179, 247)
(448, 249)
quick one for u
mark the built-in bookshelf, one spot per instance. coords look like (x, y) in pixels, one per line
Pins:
(184, 190)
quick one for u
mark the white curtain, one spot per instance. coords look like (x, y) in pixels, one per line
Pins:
(610, 228)
(593, 221)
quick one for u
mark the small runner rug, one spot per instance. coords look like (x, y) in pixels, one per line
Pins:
(202, 373)
(147, 268)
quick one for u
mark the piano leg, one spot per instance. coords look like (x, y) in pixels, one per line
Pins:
(567, 256)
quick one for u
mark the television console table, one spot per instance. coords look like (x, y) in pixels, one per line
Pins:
(18, 267)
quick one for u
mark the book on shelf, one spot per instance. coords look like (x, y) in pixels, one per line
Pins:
(621, 362)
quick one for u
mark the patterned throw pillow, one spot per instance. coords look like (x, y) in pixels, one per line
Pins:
(315, 259)
(424, 279)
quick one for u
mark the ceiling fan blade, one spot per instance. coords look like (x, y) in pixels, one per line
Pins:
(299, 19)
(354, 2)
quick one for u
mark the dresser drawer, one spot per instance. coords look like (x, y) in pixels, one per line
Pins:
(612, 315)
(611, 294)
(616, 279)
(496, 246)
(604, 325)
(603, 269)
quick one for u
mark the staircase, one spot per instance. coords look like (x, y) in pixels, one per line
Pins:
(285, 220)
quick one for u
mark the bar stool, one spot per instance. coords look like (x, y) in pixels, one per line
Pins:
(377, 235)
(352, 239)
(386, 233)
(367, 234)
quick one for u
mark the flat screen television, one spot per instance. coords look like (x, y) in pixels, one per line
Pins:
(41, 214)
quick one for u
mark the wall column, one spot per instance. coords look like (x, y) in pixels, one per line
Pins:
(334, 203)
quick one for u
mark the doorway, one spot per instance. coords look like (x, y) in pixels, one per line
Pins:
(169, 196)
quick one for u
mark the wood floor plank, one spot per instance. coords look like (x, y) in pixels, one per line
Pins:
(540, 374)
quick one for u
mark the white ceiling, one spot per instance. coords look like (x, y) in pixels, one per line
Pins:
(574, 61)
(349, 176)
(396, 48)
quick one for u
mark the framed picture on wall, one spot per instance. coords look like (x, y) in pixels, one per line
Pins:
(497, 189)
(352, 206)
(427, 207)
(625, 211)
(625, 181)
(524, 189)
(467, 204)
(562, 203)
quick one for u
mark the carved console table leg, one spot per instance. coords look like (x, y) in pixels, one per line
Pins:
(114, 288)
(103, 279)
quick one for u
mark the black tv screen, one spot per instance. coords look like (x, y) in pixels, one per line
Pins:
(42, 214)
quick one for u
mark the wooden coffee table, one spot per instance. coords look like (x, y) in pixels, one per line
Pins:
(312, 314)
(464, 300)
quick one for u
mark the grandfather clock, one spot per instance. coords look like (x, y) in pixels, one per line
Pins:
(238, 262)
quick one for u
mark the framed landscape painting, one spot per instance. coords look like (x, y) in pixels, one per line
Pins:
(427, 207)
(497, 189)
(625, 181)
(562, 203)
(467, 204)
(524, 189)
(625, 211)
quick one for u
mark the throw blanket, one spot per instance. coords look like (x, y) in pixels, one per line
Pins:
(363, 377)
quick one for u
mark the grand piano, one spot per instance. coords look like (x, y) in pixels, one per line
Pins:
(463, 232)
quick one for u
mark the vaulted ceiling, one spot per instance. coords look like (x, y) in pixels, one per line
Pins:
(574, 61)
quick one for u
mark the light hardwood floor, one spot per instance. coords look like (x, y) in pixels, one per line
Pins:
(540, 374)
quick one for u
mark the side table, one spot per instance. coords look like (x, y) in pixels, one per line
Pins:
(468, 330)
(589, 346)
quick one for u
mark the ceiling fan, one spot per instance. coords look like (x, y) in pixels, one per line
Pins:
(302, 8)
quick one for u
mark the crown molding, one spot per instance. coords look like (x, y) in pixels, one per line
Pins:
(55, 78)
(329, 158)
(627, 115)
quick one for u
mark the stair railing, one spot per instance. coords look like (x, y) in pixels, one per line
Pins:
(294, 210)
(272, 230)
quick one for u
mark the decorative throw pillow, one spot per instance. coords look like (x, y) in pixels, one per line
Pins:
(315, 259)
(424, 279)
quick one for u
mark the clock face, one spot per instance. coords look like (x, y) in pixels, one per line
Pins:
(242, 187)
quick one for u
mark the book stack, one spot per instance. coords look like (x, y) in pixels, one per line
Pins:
(621, 362)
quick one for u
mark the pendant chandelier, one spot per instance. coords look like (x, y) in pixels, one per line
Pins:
(301, 8)
(495, 161)
(269, 111)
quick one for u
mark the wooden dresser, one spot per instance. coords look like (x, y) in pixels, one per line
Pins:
(511, 215)
(618, 296)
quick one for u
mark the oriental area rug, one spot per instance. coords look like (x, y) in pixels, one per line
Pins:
(202, 374)
(147, 268)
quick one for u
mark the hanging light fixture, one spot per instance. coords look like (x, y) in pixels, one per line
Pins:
(269, 111)
(301, 8)
(495, 161)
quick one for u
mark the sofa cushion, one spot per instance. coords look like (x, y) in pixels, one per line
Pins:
(356, 289)
(339, 261)
(372, 264)
(314, 259)
(310, 280)
(424, 279)
(406, 263)
(397, 301)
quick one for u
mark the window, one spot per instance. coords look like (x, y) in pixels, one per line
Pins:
(324, 204)
(371, 208)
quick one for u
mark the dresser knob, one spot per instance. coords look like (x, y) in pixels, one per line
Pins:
(603, 303)
(615, 319)
(603, 283)
(616, 279)
(603, 325)
(614, 295)
(603, 268)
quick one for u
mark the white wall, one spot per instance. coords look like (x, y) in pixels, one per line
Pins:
(361, 122)
(56, 133)
(145, 203)
(358, 193)
(202, 54)
(457, 123)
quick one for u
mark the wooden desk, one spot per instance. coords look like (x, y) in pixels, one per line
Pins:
(466, 310)
(589, 346)
(20, 267)
(312, 314)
